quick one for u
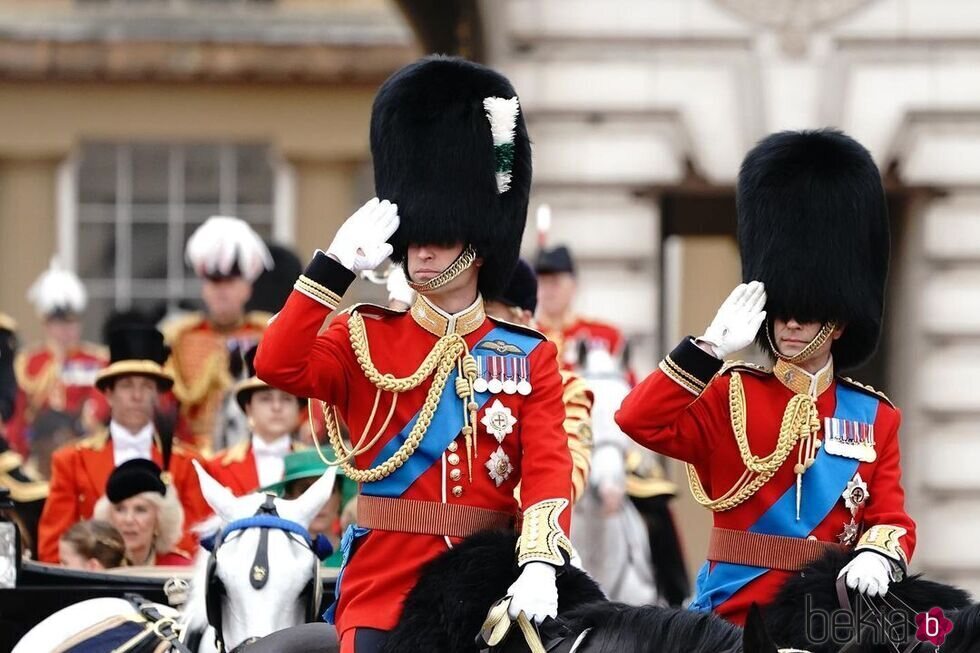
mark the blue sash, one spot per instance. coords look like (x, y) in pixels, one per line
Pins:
(447, 422)
(445, 426)
(823, 485)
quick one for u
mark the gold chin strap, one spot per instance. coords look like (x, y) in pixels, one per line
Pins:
(462, 262)
(818, 341)
(800, 423)
(449, 352)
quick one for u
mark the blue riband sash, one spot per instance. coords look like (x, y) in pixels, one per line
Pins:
(823, 485)
(447, 422)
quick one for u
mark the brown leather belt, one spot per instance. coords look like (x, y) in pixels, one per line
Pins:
(428, 517)
(769, 551)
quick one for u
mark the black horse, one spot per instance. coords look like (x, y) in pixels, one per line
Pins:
(446, 609)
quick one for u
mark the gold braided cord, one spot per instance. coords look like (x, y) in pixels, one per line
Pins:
(462, 262)
(799, 422)
(439, 363)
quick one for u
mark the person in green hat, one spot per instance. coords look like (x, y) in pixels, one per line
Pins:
(302, 468)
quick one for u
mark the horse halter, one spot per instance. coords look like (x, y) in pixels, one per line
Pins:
(265, 518)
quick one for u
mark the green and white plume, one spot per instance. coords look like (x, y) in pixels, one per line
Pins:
(502, 114)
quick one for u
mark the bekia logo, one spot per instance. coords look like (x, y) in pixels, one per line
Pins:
(932, 627)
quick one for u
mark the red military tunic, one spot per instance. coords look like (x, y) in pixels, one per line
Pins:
(295, 357)
(49, 380)
(682, 411)
(79, 472)
(200, 366)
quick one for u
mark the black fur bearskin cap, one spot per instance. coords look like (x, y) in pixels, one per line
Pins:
(813, 227)
(434, 157)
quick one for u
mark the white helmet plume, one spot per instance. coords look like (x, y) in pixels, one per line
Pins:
(57, 290)
(225, 246)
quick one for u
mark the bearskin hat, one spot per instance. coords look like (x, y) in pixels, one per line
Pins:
(450, 148)
(813, 227)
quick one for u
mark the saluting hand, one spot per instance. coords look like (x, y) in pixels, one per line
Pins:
(737, 321)
(361, 242)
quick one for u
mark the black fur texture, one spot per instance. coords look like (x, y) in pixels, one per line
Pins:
(815, 590)
(434, 157)
(444, 611)
(813, 227)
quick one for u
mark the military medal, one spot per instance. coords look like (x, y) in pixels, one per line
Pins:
(850, 439)
(524, 385)
(495, 385)
(856, 494)
(510, 375)
(850, 534)
(499, 466)
(499, 421)
(480, 384)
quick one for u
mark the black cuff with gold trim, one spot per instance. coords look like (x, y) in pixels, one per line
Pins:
(325, 280)
(690, 366)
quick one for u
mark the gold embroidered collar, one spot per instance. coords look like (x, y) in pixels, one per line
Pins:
(802, 382)
(438, 322)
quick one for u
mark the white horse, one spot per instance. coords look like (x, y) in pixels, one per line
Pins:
(260, 594)
(246, 610)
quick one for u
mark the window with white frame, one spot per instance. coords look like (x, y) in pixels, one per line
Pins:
(136, 204)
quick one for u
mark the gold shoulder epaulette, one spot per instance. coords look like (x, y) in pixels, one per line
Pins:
(7, 322)
(235, 453)
(519, 327)
(258, 319)
(744, 366)
(368, 309)
(95, 442)
(173, 328)
(866, 388)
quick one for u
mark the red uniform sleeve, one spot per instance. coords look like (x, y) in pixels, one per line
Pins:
(292, 355)
(674, 410)
(886, 498)
(196, 508)
(61, 507)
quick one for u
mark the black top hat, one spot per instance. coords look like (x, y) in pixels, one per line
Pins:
(813, 227)
(136, 349)
(134, 477)
(436, 157)
(554, 260)
(522, 290)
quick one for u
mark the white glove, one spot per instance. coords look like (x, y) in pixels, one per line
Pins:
(360, 241)
(737, 321)
(534, 593)
(869, 573)
(397, 286)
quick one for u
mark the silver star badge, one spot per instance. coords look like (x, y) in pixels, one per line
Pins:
(856, 493)
(499, 421)
(850, 534)
(499, 466)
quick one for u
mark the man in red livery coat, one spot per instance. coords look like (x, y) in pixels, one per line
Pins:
(437, 446)
(258, 460)
(79, 471)
(57, 374)
(796, 460)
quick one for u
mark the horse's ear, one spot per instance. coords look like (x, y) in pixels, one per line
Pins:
(305, 507)
(755, 636)
(220, 498)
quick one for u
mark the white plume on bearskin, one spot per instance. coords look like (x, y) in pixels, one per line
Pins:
(57, 289)
(502, 114)
(224, 246)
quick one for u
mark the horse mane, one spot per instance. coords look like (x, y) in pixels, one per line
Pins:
(965, 636)
(814, 589)
(195, 611)
(617, 627)
(447, 606)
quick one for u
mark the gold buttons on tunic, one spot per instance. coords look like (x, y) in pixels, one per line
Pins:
(455, 474)
(457, 490)
(453, 459)
(453, 446)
